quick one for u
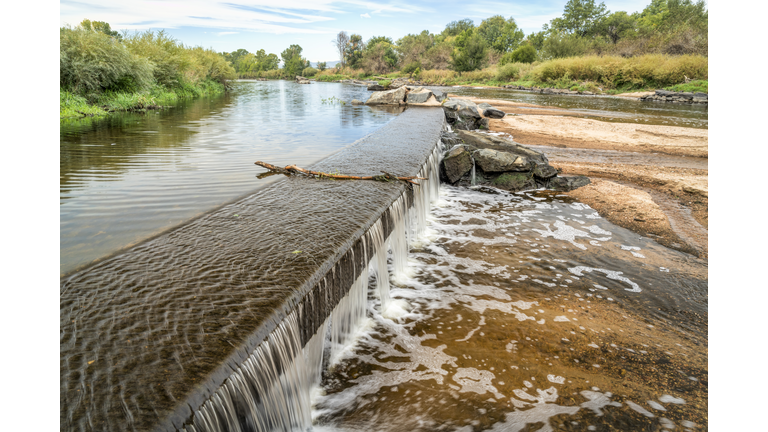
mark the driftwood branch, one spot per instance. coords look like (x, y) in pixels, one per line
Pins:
(293, 169)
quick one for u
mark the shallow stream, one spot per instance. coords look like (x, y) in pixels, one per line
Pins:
(528, 311)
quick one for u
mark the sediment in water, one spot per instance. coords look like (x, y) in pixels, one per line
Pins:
(221, 323)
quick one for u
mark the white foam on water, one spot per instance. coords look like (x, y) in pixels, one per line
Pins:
(639, 409)
(671, 399)
(556, 379)
(656, 405)
(610, 274)
(561, 318)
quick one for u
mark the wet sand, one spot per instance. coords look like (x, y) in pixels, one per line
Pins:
(650, 179)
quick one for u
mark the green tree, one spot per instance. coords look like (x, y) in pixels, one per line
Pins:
(537, 39)
(293, 63)
(500, 34)
(580, 17)
(455, 28)
(686, 14)
(653, 15)
(412, 47)
(617, 25)
(354, 53)
(266, 62)
(322, 66)
(379, 55)
(101, 27)
(470, 51)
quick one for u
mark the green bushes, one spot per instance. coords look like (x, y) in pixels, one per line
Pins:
(508, 72)
(132, 71)
(411, 67)
(308, 72)
(91, 62)
(523, 54)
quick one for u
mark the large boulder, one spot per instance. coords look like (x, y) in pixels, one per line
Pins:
(418, 95)
(302, 80)
(456, 163)
(485, 141)
(463, 114)
(389, 97)
(439, 95)
(494, 161)
(494, 113)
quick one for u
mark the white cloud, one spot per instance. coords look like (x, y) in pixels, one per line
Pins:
(365, 15)
(226, 33)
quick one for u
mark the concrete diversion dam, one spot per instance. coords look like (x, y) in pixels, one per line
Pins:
(222, 324)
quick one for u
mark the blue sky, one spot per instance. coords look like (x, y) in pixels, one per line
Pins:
(274, 25)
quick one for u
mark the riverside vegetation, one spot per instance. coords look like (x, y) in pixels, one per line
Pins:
(588, 49)
(102, 70)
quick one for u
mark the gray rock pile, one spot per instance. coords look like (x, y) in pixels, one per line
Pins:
(500, 163)
(302, 80)
(676, 97)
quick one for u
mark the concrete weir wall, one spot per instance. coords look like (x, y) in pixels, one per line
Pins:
(158, 337)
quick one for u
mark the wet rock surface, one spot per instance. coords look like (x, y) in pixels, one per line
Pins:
(677, 97)
(500, 163)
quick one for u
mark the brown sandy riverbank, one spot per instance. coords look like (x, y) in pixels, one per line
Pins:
(656, 184)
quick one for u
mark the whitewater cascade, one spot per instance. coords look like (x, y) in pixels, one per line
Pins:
(272, 389)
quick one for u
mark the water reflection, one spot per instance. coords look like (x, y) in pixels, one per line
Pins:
(130, 176)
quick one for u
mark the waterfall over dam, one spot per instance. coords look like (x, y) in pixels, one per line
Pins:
(222, 323)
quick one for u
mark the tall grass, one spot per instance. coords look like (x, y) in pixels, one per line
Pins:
(650, 70)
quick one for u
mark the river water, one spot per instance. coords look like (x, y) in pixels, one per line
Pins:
(604, 108)
(131, 176)
(510, 312)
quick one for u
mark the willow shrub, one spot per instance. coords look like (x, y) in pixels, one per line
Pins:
(168, 57)
(91, 62)
(636, 72)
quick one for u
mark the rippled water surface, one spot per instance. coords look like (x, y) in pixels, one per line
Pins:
(130, 176)
(606, 108)
(528, 312)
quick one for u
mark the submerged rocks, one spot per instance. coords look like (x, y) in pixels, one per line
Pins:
(676, 97)
(302, 80)
(499, 163)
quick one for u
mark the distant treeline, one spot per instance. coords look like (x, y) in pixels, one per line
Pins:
(670, 27)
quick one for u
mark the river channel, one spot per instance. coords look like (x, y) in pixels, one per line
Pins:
(509, 311)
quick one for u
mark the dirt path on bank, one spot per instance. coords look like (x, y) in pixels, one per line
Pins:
(653, 180)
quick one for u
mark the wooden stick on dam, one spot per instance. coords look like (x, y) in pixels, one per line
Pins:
(293, 169)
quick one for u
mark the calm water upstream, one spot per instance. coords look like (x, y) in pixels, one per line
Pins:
(605, 108)
(130, 176)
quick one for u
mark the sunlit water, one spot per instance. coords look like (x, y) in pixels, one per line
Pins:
(130, 176)
(528, 312)
(605, 108)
